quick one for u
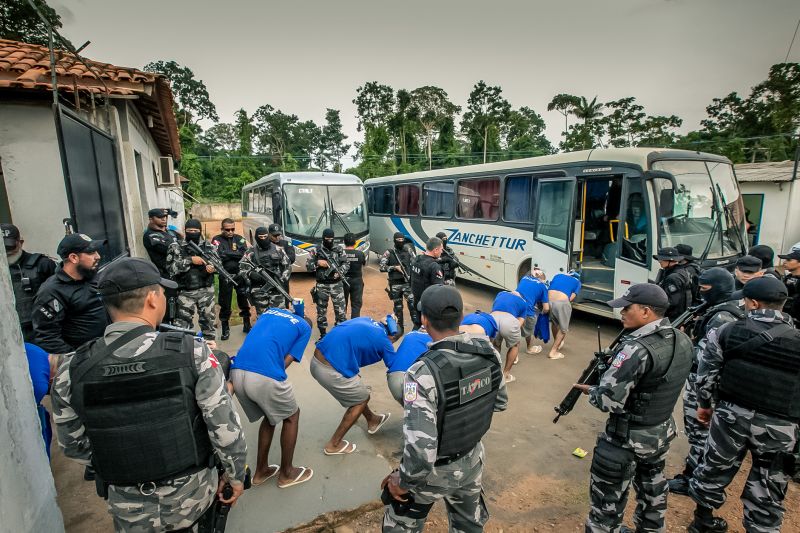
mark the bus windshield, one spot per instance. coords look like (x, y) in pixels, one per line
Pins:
(311, 208)
(708, 212)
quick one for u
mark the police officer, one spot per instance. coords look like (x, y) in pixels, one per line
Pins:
(426, 271)
(164, 412)
(354, 290)
(28, 272)
(231, 248)
(767, 256)
(442, 455)
(791, 278)
(692, 267)
(269, 254)
(397, 262)
(67, 310)
(195, 279)
(753, 365)
(324, 262)
(276, 236)
(448, 261)
(747, 268)
(157, 239)
(716, 288)
(675, 280)
(639, 391)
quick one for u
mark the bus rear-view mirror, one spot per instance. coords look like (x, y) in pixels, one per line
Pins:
(666, 203)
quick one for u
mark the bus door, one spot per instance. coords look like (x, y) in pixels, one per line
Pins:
(277, 207)
(552, 233)
(633, 248)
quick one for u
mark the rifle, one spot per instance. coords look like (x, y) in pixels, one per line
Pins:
(465, 268)
(213, 259)
(265, 276)
(602, 358)
(400, 264)
(216, 519)
(332, 265)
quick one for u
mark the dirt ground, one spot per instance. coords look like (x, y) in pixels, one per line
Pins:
(532, 481)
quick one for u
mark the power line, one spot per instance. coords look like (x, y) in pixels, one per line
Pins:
(786, 59)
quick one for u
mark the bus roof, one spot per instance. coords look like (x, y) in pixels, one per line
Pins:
(327, 178)
(637, 156)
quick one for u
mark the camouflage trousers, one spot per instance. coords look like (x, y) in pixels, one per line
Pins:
(613, 470)
(735, 430)
(200, 300)
(335, 293)
(397, 292)
(696, 433)
(463, 498)
(169, 508)
(265, 297)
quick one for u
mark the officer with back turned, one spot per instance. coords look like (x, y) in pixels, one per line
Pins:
(397, 262)
(753, 367)
(157, 239)
(28, 272)
(426, 271)
(354, 290)
(323, 262)
(639, 391)
(149, 410)
(231, 248)
(449, 394)
(448, 261)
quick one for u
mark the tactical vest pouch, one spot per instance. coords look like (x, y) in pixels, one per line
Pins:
(612, 462)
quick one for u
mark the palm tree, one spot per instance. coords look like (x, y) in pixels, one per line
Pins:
(588, 111)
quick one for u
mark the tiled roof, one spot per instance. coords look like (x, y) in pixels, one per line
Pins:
(765, 172)
(27, 66)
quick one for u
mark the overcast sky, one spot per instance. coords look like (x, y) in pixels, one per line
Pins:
(302, 56)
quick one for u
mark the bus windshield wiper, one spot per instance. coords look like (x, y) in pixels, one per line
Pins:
(319, 221)
(729, 218)
(714, 228)
(341, 220)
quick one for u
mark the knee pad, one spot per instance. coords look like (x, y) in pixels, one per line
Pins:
(612, 462)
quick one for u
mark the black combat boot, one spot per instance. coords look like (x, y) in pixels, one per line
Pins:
(226, 330)
(322, 332)
(88, 473)
(706, 522)
(246, 327)
(679, 484)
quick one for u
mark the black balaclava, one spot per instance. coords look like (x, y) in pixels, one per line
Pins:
(442, 235)
(327, 238)
(262, 243)
(193, 223)
(399, 241)
(722, 283)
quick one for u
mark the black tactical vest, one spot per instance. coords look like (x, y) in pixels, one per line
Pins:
(140, 413)
(731, 308)
(328, 274)
(762, 368)
(653, 399)
(403, 258)
(196, 277)
(271, 259)
(466, 394)
(25, 282)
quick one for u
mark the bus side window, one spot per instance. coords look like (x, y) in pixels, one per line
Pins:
(518, 203)
(479, 198)
(277, 207)
(406, 200)
(553, 214)
(634, 227)
(437, 199)
(382, 200)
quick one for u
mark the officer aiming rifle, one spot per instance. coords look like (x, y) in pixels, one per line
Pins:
(213, 259)
(602, 359)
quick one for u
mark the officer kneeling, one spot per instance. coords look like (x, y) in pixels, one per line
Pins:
(442, 431)
(148, 410)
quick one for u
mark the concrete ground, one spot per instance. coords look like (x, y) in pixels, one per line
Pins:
(531, 479)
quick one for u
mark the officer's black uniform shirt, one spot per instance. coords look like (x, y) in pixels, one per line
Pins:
(230, 249)
(449, 263)
(67, 313)
(157, 245)
(425, 271)
(677, 283)
(793, 302)
(357, 260)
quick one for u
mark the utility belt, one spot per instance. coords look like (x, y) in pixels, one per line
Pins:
(148, 488)
(442, 461)
(331, 282)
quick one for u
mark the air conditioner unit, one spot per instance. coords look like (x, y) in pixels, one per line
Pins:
(166, 175)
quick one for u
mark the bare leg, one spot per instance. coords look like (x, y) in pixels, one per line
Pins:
(288, 442)
(265, 433)
(557, 340)
(511, 354)
(350, 417)
(372, 419)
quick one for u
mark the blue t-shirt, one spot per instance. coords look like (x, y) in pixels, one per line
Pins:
(39, 368)
(510, 303)
(414, 344)
(356, 343)
(276, 334)
(484, 320)
(565, 283)
(533, 291)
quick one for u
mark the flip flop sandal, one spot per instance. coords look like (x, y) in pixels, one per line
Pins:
(534, 349)
(558, 355)
(384, 418)
(510, 379)
(516, 360)
(299, 479)
(273, 474)
(342, 450)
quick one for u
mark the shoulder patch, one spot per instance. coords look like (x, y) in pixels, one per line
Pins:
(409, 391)
(620, 358)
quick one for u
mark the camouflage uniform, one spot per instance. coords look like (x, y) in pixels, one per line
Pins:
(399, 288)
(459, 482)
(329, 288)
(645, 448)
(262, 294)
(733, 431)
(179, 261)
(180, 504)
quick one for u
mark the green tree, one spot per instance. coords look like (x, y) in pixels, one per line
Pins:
(524, 134)
(221, 138)
(374, 104)
(402, 123)
(564, 104)
(20, 22)
(331, 142)
(487, 112)
(657, 131)
(192, 102)
(433, 109)
(624, 120)
(244, 132)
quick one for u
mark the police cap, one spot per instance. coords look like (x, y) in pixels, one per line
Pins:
(749, 264)
(763, 252)
(10, 234)
(275, 229)
(794, 253)
(764, 289)
(668, 253)
(160, 212)
(78, 243)
(441, 301)
(686, 251)
(327, 233)
(130, 273)
(642, 294)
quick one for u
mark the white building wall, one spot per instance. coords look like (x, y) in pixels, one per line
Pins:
(780, 220)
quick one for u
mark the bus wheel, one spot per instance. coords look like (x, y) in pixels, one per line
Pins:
(524, 269)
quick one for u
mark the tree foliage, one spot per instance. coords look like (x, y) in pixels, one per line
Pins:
(487, 111)
(192, 102)
(20, 22)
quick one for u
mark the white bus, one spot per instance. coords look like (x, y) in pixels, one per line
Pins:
(601, 212)
(304, 204)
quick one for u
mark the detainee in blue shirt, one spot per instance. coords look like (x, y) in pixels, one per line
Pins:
(42, 367)
(534, 290)
(563, 290)
(414, 345)
(258, 373)
(479, 324)
(509, 310)
(338, 358)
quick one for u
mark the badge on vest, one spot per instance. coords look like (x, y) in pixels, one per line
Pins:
(125, 368)
(474, 386)
(409, 391)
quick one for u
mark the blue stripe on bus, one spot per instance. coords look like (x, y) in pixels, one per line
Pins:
(402, 229)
